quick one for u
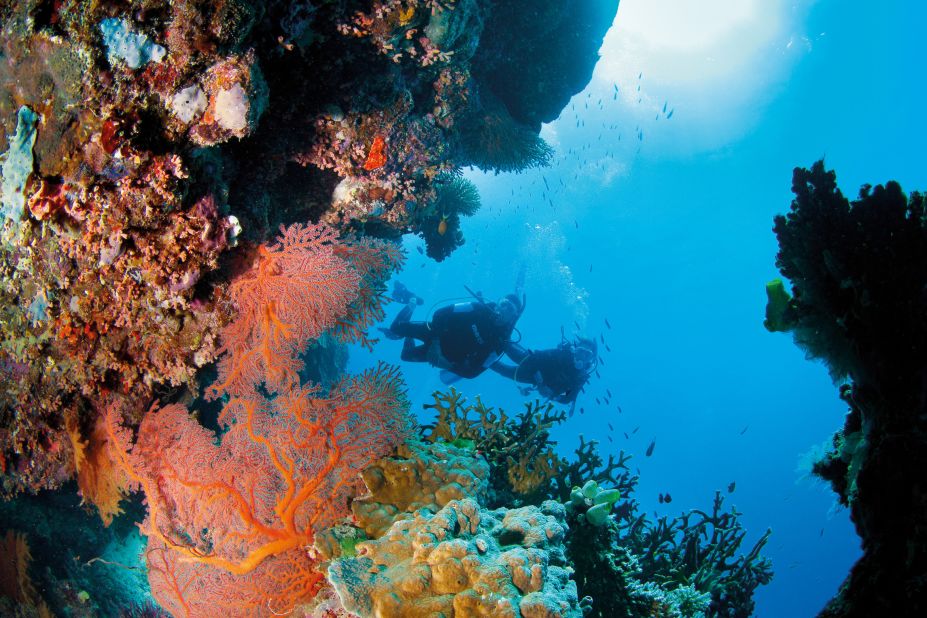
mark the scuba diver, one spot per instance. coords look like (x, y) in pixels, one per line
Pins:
(462, 339)
(558, 374)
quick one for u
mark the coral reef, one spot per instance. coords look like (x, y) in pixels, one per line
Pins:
(152, 147)
(626, 564)
(858, 271)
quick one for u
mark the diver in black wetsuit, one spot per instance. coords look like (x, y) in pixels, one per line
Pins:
(462, 339)
(558, 373)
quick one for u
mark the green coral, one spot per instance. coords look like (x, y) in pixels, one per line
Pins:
(777, 307)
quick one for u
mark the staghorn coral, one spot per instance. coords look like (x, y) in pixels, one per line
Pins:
(522, 460)
(857, 271)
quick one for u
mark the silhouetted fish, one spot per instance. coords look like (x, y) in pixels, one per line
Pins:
(620, 411)
(744, 430)
(582, 410)
(607, 348)
(731, 486)
(609, 438)
(597, 401)
(626, 436)
(635, 430)
(660, 498)
(649, 450)
(667, 498)
(597, 374)
(664, 107)
(609, 392)
(610, 427)
(602, 337)
(670, 115)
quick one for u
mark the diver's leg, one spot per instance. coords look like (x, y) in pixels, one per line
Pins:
(414, 353)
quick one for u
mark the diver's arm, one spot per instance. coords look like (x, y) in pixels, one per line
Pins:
(504, 369)
(516, 351)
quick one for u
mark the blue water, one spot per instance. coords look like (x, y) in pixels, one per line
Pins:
(669, 238)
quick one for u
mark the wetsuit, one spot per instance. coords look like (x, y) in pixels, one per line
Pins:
(464, 338)
(552, 371)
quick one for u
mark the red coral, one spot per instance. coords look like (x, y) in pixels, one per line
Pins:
(306, 283)
(228, 522)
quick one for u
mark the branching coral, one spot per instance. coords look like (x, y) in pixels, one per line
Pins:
(523, 463)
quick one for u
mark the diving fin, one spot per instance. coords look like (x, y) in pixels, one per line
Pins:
(449, 377)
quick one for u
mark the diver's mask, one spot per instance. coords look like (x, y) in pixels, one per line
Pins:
(583, 359)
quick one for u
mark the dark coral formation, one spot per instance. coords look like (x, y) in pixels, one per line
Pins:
(152, 146)
(858, 271)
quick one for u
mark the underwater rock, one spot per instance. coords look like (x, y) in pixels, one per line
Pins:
(535, 56)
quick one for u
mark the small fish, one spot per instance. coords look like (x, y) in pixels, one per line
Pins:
(608, 349)
(667, 498)
(610, 427)
(822, 532)
(601, 362)
(421, 251)
(635, 430)
(641, 75)
(664, 106)
(731, 486)
(576, 323)
(744, 430)
(649, 450)
(670, 115)
(609, 438)
(597, 374)
(607, 324)
(598, 403)
(626, 436)
(442, 226)
(609, 392)
(660, 498)
(602, 337)
(590, 268)
(582, 410)
(620, 411)
(576, 223)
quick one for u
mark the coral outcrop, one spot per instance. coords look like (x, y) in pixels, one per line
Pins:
(858, 272)
(462, 561)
